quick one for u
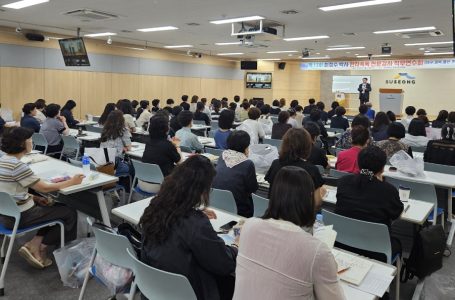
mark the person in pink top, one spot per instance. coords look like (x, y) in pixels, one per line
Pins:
(347, 159)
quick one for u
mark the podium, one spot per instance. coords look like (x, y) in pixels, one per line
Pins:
(391, 99)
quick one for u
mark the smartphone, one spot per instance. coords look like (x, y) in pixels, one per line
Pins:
(228, 226)
(392, 169)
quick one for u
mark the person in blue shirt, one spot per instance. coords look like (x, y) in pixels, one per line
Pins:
(371, 113)
(225, 124)
(29, 120)
(186, 137)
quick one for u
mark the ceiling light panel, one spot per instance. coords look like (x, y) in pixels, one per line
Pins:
(154, 29)
(24, 3)
(231, 53)
(284, 51)
(235, 20)
(100, 34)
(405, 30)
(305, 38)
(430, 43)
(357, 4)
(345, 48)
(228, 43)
(178, 46)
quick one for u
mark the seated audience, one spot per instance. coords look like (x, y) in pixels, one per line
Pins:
(391, 116)
(207, 110)
(193, 103)
(441, 120)
(299, 116)
(199, 115)
(345, 142)
(236, 173)
(215, 113)
(275, 110)
(392, 145)
(451, 117)
(16, 179)
(292, 115)
(143, 113)
(380, 126)
(294, 104)
(368, 197)
(339, 120)
(174, 123)
(252, 126)
(107, 110)
(332, 112)
(40, 107)
(317, 156)
(347, 159)
(280, 128)
(283, 104)
(363, 109)
(442, 151)
(370, 112)
(309, 108)
(416, 136)
(295, 150)
(410, 111)
(306, 267)
(178, 236)
(265, 119)
(185, 105)
(169, 105)
(315, 116)
(186, 137)
(243, 113)
(127, 109)
(29, 120)
(224, 131)
(52, 129)
(67, 112)
(159, 150)
(155, 105)
(324, 115)
(134, 104)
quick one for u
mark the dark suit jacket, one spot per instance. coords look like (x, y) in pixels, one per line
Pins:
(364, 97)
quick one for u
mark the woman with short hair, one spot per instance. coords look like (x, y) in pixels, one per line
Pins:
(393, 144)
(225, 124)
(347, 159)
(53, 128)
(143, 113)
(29, 119)
(380, 126)
(417, 135)
(279, 129)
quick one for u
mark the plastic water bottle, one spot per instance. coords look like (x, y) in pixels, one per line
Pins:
(318, 223)
(86, 164)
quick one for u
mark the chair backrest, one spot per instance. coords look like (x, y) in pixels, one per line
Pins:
(419, 191)
(8, 206)
(320, 169)
(260, 205)
(274, 119)
(445, 169)
(148, 172)
(211, 133)
(418, 149)
(224, 200)
(359, 234)
(112, 247)
(337, 174)
(39, 140)
(157, 284)
(214, 125)
(273, 142)
(216, 152)
(198, 122)
(92, 128)
(70, 142)
(186, 149)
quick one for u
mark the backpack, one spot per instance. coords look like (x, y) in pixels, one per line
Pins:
(426, 254)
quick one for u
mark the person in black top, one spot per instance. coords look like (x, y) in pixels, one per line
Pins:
(295, 150)
(135, 104)
(67, 112)
(159, 150)
(169, 105)
(334, 106)
(441, 119)
(368, 197)
(179, 238)
(364, 91)
(280, 128)
(309, 108)
(324, 115)
(317, 156)
(107, 110)
(339, 121)
(2, 125)
(442, 151)
(185, 105)
(155, 105)
(315, 116)
(236, 173)
(275, 110)
(175, 124)
(28, 120)
(199, 115)
(391, 115)
(380, 127)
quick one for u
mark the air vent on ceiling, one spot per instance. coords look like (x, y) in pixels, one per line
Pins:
(90, 15)
(290, 12)
(349, 34)
(126, 31)
(420, 34)
(193, 24)
(440, 49)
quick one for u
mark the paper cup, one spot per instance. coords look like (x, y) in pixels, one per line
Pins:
(404, 193)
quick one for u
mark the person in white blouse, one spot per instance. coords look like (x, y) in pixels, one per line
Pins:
(292, 118)
(144, 113)
(40, 106)
(416, 136)
(252, 126)
(265, 119)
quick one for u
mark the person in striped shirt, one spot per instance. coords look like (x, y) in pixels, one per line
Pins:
(16, 178)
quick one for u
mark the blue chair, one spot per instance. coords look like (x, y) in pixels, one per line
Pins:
(9, 208)
(157, 284)
(111, 247)
(260, 205)
(199, 122)
(273, 142)
(70, 147)
(39, 140)
(212, 133)
(149, 173)
(337, 174)
(214, 125)
(213, 151)
(224, 200)
(368, 236)
(274, 119)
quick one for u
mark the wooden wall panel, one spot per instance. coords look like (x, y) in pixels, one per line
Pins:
(172, 87)
(151, 88)
(191, 86)
(125, 86)
(60, 86)
(96, 91)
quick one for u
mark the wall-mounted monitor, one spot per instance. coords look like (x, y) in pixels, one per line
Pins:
(258, 80)
(74, 52)
(248, 65)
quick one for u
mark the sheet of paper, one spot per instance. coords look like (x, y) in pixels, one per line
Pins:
(375, 283)
(326, 235)
(358, 267)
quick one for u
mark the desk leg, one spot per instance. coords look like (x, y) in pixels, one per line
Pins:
(449, 214)
(103, 208)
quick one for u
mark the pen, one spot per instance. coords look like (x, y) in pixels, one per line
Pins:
(344, 270)
(407, 207)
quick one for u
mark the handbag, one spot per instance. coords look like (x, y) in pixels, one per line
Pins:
(108, 168)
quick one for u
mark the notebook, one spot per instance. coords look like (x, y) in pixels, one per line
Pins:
(354, 268)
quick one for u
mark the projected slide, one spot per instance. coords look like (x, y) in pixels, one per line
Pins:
(348, 84)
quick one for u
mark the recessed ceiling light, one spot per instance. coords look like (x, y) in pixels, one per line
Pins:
(439, 53)
(348, 52)
(235, 20)
(304, 38)
(356, 54)
(153, 29)
(427, 51)
(284, 51)
(232, 53)
(339, 46)
(100, 34)
(357, 4)
(378, 55)
(24, 3)
(228, 43)
(431, 43)
(405, 30)
(345, 48)
(178, 46)
(421, 49)
(271, 59)
(316, 57)
(317, 53)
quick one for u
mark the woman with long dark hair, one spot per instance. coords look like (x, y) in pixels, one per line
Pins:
(67, 112)
(178, 236)
(441, 119)
(380, 126)
(107, 110)
(126, 108)
(277, 258)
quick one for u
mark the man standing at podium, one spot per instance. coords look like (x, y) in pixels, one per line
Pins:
(364, 91)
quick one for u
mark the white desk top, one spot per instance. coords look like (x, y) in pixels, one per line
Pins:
(207, 141)
(133, 212)
(417, 212)
(85, 122)
(438, 179)
(54, 167)
(89, 136)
